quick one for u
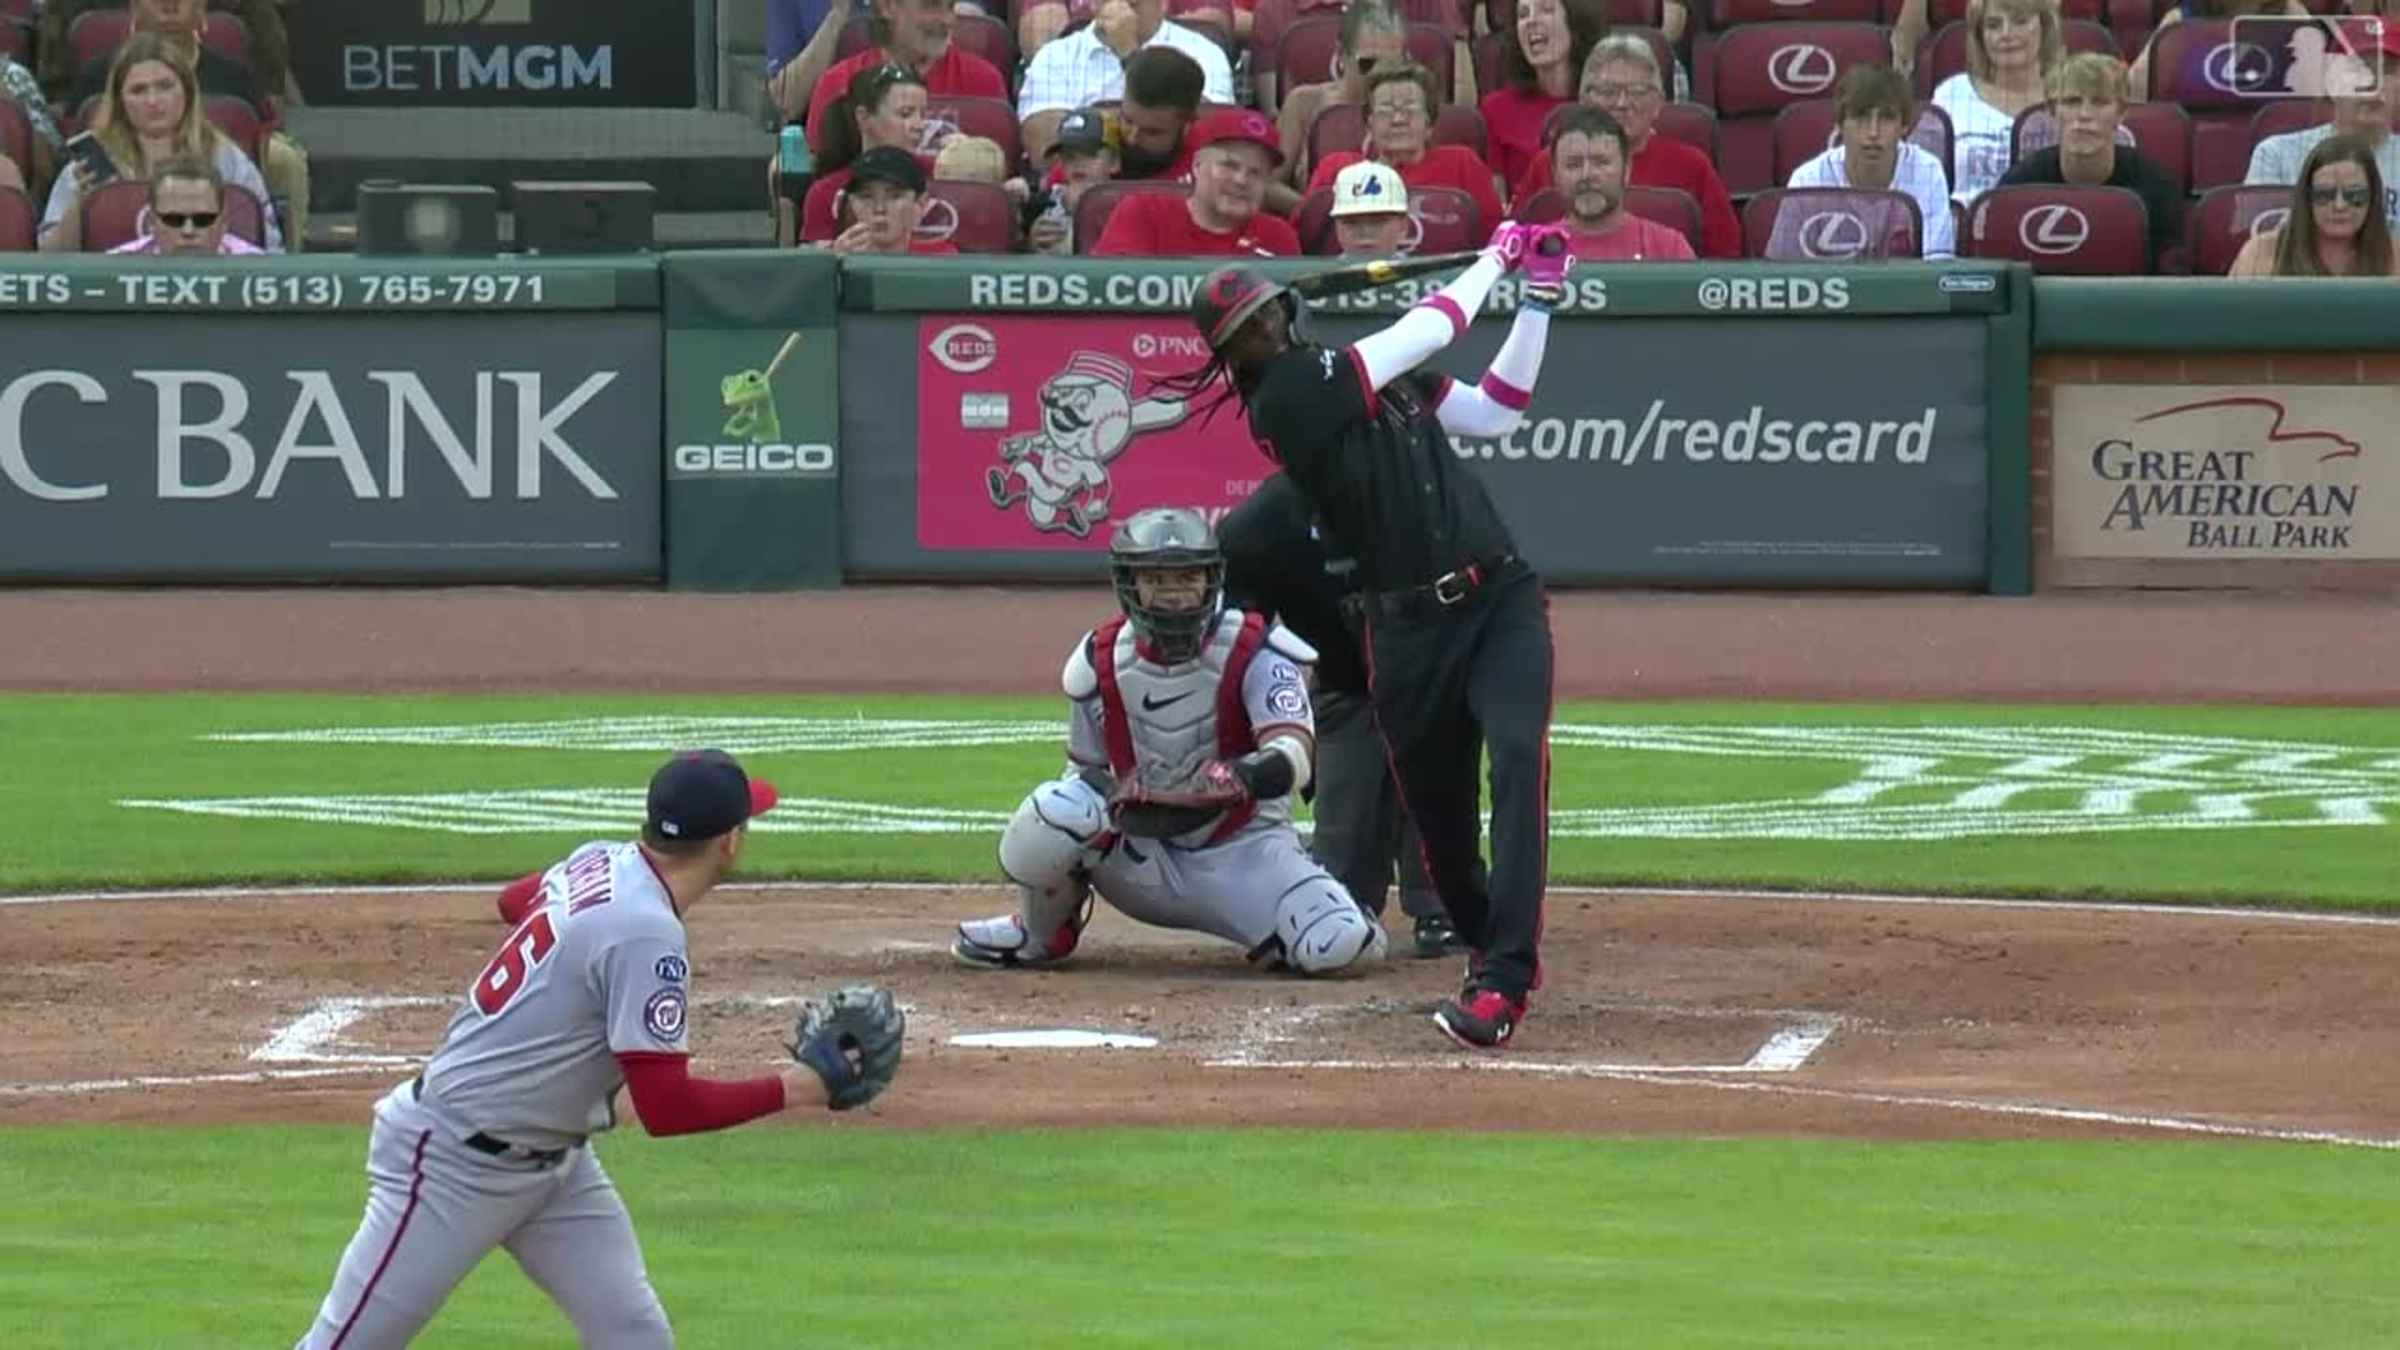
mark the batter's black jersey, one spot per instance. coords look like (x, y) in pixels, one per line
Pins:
(1275, 562)
(1377, 466)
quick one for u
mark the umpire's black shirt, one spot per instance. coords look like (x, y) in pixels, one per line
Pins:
(1377, 467)
(1275, 562)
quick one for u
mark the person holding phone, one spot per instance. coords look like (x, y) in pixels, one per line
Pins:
(153, 116)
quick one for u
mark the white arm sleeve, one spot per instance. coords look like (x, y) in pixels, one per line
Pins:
(1495, 407)
(1430, 325)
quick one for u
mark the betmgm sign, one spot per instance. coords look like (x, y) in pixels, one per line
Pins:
(484, 53)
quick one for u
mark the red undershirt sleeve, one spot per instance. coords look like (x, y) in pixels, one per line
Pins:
(516, 900)
(670, 1101)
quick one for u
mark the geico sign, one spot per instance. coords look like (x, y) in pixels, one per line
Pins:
(754, 459)
(206, 446)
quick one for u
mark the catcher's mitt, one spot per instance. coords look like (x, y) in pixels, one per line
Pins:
(1162, 813)
(852, 1040)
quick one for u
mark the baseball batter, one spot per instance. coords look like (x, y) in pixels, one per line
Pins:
(489, 1146)
(1189, 731)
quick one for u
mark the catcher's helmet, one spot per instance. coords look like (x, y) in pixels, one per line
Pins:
(1229, 297)
(1162, 537)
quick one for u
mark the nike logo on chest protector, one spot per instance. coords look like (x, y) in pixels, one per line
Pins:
(1150, 704)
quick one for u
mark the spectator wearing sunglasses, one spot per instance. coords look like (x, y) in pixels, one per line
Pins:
(1373, 34)
(2088, 93)
(187, 214)
(2366, 108)
(2335, 226)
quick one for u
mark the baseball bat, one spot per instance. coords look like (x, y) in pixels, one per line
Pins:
(1367, 276)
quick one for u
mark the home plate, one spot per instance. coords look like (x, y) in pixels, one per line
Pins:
(1054, 1040)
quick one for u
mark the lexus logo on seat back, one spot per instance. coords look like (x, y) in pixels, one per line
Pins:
(2272, 219)
(2056, 228)
(2237, 68)
(1833, 234)
(939, 222)
(1803, 68)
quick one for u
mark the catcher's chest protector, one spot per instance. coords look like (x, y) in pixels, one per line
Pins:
(1162, 724)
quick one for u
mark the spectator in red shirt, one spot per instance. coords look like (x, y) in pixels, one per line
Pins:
(1622, 77)
(1162, 99)
(884, 201)
(884, 109)
(1539, 69)
(1589, 156)
(914, 34)
(1401, 101)
(1234, 153)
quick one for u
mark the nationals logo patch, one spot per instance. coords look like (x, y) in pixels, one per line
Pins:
(673, 969)
(1288, 700)
(662, 1016)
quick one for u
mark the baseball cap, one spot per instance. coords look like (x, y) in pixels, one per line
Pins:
(1237, 124)
(1368, 189)
(701, 794)
(888, 164)
(1085, 131)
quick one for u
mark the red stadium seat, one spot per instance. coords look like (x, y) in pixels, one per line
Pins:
(1546, 205)
(2132, 21)
(16, 32)
(1727, 13)
(1671, 207)
(227, 36)
(1943, 52)
(237, 119)
(1806, 129)
(1831, 225)
(2287, 115)
(969, 116)
(2163, 133)
(96, 34)
(18, 217)
(2197, 63)
(119, 213)
(1312, 220)
(1462, 125)
(16, 137)
(1442, 220)
(1694, 124)
(1309, 52)
(1753, 72)
(2215, 230)
(2070, 231)
(1091, 213)
(975, 217)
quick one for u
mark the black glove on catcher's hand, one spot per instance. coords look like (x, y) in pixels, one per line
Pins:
(852, 1041)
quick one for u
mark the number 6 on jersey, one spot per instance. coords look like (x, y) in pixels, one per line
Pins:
(506, 974)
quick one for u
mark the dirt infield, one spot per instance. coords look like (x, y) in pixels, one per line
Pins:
(1663, 1014)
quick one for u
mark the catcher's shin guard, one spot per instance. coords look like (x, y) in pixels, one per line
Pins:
(1045, 849)
(1322, 931)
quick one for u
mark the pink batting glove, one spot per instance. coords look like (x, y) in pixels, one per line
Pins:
(1547, 256)
(1510, 243)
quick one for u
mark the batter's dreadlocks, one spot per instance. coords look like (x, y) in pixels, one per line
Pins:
(1225, 301)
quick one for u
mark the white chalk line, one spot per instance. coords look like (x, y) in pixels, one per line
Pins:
(1598, 892)
(97, 1085)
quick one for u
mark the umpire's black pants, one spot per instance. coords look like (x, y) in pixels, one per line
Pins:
(1361, 829)
(1450, 682)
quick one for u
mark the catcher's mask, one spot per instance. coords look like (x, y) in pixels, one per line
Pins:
(1229, 297)
(1154, 540)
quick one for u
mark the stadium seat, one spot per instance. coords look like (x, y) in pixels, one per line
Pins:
(16, 31)
(16, 137)
(119, 213)
(994, 118)
(1091, 213)
(227, 36)
(2197, 64)
(1943, 53)
(1940, 12)
(975, 217)
(1621, 14)
(1309, 52)
(1830, 225)
(1694, 124)
(2284, 116)
(96, 34)
(2163, 133)
(1462, 125)
(1806, 129)
(1542, 207)
(1671, 207)
(1750, 73)
(237, 119)
(18, 217)
(2132, 21)
(1445, 220)
(1343, 126)
(1312, 220)
(1726, 13)
(2068, 231)
(2225, 218)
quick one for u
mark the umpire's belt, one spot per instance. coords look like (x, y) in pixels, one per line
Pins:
(499, 1148)
(1446, 591)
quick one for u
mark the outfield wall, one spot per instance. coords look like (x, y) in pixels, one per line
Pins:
(756, 420)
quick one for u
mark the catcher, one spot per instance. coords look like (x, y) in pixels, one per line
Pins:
(489, 1146)
(1190, 732)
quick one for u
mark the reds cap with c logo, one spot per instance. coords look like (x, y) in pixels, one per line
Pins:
(701, 794)
(1237, 124)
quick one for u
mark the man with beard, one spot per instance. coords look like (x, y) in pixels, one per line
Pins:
(1162, 100)
(1087, 66)
(1234, 153)
(1588, 161)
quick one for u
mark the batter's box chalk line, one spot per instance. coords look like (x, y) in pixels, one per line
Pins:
(1785, 1051)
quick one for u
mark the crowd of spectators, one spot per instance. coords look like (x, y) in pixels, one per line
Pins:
(147, 126)
(1656, 129)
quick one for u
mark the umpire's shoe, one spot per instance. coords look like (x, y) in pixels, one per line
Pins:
(1003, 942)
(1436, 938)
(1479, 1019)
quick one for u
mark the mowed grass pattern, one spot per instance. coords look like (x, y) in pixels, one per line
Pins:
(858, 1237)
(68, 761)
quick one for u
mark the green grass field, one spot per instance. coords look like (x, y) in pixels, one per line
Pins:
(69, 761)
(856, 1237)
(860, 1236)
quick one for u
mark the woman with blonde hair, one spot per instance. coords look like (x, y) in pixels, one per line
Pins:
(2012, 47)
(153, 114)
(2335, 227)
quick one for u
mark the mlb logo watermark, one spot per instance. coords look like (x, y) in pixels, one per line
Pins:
(2305, 56)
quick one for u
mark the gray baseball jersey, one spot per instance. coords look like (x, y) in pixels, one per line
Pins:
(597, 969)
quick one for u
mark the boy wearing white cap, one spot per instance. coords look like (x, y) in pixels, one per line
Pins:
(1370, 211)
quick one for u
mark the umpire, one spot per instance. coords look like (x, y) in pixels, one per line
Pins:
(1275, 561)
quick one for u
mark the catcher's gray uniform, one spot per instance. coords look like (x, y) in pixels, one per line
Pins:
(1241, 874)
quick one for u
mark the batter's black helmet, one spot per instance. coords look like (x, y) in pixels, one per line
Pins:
(1161, 537)
(1230, 296)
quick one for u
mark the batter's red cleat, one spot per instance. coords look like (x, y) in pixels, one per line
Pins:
(1479, 1019)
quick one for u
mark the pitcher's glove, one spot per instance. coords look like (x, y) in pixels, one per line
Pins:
(852, 1040)
(1163, 813)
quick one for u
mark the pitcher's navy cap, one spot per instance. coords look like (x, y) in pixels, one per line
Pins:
(701, 794)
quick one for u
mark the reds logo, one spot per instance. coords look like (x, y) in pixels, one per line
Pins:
(1089, 417)
(964, 348)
